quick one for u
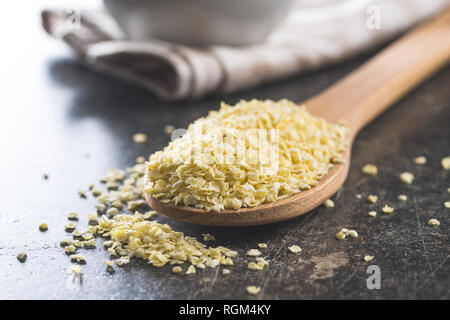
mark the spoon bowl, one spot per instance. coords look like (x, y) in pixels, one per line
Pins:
(358, 99)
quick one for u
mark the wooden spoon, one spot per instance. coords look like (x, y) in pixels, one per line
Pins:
(357, 98)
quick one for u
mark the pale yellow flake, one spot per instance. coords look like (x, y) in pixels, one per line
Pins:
(295, 249)
(140, 138)
(262, 245)
(368, 258)
(72, 216)
(370, 169)
(353, 233)
(177, 269)
(140, 160)
(372, 198)
(433, 222)
(387, 209)
(421, 160)
(191, 270)
(108, 263)
(253, 253)
(372, 214)
(22, 257)
(445, 162)
(82, 193)
(76, 269)
(70, 248)
(340, 235)
(402, 197)
(43, 226)
(70, 227)
(208, 237)
(253, 290)
(329, 203)
(406, 177)
(168, 129)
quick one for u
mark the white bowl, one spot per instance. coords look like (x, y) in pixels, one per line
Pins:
(199, 22)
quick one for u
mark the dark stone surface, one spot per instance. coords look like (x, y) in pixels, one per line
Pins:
(59, 117)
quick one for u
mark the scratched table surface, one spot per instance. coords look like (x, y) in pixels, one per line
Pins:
(61, 118)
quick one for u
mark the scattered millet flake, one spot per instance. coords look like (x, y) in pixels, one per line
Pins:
(97, 192)
(89, 244)
(117, 204)
(253, 289)
(353, 233)
(402, 197)
(340, 235)
(303, 158)
(208, 237)
(76, 233)
(168, 129)
(72, 216)
(82, 193)
(148, 215)
(368, 258)
(370, 169)
(139, 137)
(448, 190)
(191, 270)
(262, 245)
(123, 261)
(253, 253)
(433, 222)
(66, 242)
(43, 226)
(140, 160)
(256, 266)
(132, 205)
(406, 177)
(108, 263)
(358, 196)
(420, 160)
(231, 253)
(344, 233)
(445, 162)
(91, 186)
(70, 227)
(329, 203)
(177, 269)
(77, 258)
(108, 243)
(372, 198)
(226, 271)
(447, 204)
(372, 214)
(22, 257)
(70, 248)
(387, 209)
(76, 270)
(112, 212)
(295, 249)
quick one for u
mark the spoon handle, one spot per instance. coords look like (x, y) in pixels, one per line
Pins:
(376, 85)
